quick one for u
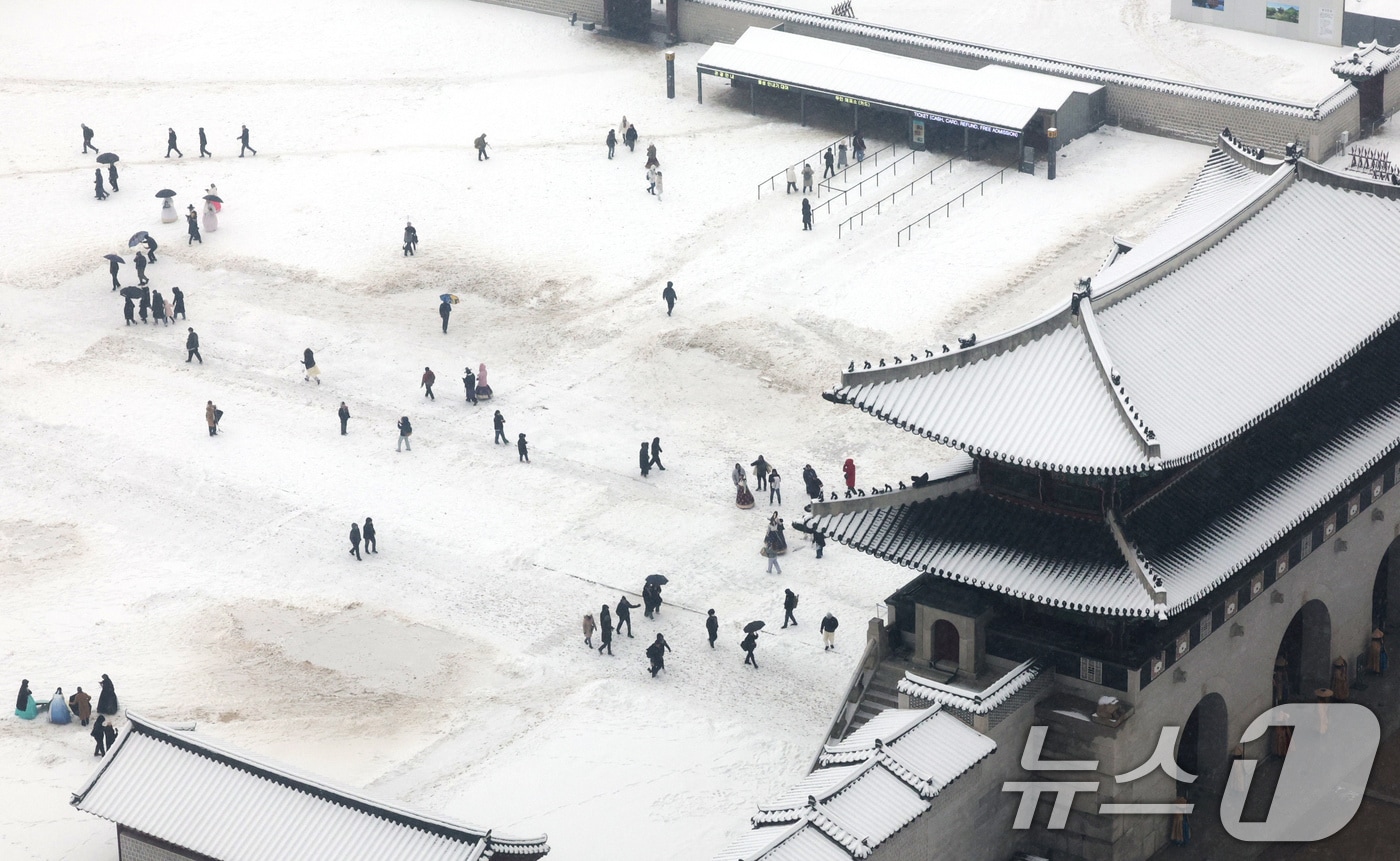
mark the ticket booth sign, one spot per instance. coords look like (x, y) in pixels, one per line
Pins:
(916, 134)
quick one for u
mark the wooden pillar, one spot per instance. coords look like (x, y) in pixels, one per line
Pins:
(753, 103)
(802, 102)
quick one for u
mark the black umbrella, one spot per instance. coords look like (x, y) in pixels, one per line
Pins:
(752, 627)
(131, 292)
(657, 579)
(117, 257)
(214, 197)
(165, 192)
(136, 239)
(108, 158)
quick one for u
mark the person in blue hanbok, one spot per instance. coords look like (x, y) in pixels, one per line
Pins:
(25, 706)
(58, 708)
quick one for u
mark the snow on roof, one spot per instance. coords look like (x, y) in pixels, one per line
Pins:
(204, 796)
(1367, 60)
(1001, 97)
(1238, 303)
(982, 702)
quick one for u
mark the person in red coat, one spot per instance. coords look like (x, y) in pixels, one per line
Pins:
(849, 470)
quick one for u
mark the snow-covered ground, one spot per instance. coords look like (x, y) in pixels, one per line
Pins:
(1137, 36)
(209, 577)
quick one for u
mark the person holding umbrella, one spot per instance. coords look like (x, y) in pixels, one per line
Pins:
(141, 269)
(243, 138)
(87, 139)
(170, 145)
(150, 242)
(203, 145)
(97, 185)
(129, 311)
(145, 304)
(211, 212)
(167, 209)
(192, 223)
(750, 642)
(113, 260)
(112, 174)
(445, 309)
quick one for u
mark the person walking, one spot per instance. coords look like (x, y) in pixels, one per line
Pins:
(624, 615)
(410, 241)
(605, 630)
(669, 294)
(806, 177)
(112, 176)
(480, 144)
(750, 645)
(651, 156)
(848, 469)
(806, 214)
(107, 698)
(644, 459)
(469, 383)
(772, 554)
(858, 145)
(344, 413)
(129, 312)
(308, 359)
(405, 431)
(656, 652)
(830, 161)
(81, 703)
(630, 138)
(145, 305)
(829, 624)
(97, 185)
(170, 145)
(151, 245)
(651, 180)
(524, 449)
(760, 472)
(192, 223)
(656, 177)
(775, 487)
(791, 179)
(204, 145)
(140, 261)
(841, 156)
(158, 308)
(112, 266)
(99, 734)
(789, 604)
(243, 139)
(589, 626)
(499, 421)
(444, 311)
(819, 542)
(371, 545)
(712, 627)
(656, 453)
(87, 139)
(192, 347)
(177, 299)
(212, 414)
(427, 385)
(355, 541)
(611, 142)
(814, 484)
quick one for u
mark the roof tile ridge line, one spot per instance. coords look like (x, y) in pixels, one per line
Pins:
(1003, 55)
(1308, 511)
(1211, 446)
(987, 692)
(214, 750)
(1138, 564)
(1202, 240)
(80, 796)
(835, 789)
(905, 773)
(825, 821)
(1113, 382)
(916, 717)
(938, 488)
(786, 833)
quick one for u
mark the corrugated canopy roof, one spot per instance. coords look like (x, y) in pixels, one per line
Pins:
(202, 795)
(996, 96)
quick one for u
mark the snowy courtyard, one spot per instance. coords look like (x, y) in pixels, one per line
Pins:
(209, 576)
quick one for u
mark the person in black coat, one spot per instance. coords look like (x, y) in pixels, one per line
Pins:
(806, 214)
(669, 294)
(830, 164)
(158, 308)
(814, 484)
(444, 311)
(606, 629)
(469, 383)
(355, 541)
(657, 653)
(712, 627)
(829, 624)
(204, 144)
(192, 223)
(112, 268)
(87, 139)
(750, 645)
(243, 138)
(109, 735)
(410, 239)
(644, 459)
(22, 701)
(97, 184)
(151, 245)
(344, 413)
(170, 145)
(499, 421)
(177, 297)
(192, 346)
(371, 546)
(308, 361)
(145, 306)
(629, 137)
(112, 176)
(611, 142)
(141, 269)
(789, 604)
(523, 448)
(656, 453)
(624, 615)
(819, 542)
(129, 311)
(99, 735)
(760, 471)
(107, 700)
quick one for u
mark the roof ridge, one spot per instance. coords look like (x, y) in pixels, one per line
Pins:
(1138, 564)
(1109, 376)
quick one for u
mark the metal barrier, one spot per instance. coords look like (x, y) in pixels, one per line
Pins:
(859, 188)
(980, 188)
(877, 205)
(770, 181)
(859, 166)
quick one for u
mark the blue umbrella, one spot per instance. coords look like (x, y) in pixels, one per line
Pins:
(449, 297)
(136, 239)
(116, 257)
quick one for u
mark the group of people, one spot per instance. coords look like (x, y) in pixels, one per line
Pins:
(154, 305)
(63, 710)
(367, 535)
(172, 145)
(651, 599)
(833, 161)
(649, 456)
(767, 477)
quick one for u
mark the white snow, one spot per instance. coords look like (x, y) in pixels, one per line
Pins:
(209, 577)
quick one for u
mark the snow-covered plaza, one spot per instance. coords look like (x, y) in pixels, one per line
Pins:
(209, 576)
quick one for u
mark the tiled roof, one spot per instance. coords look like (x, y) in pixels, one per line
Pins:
(202, 795)
(1240, 302)
(982, 702)
(1367, 60)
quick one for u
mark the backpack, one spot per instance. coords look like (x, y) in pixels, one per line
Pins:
(407, 429)
(795, 596)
